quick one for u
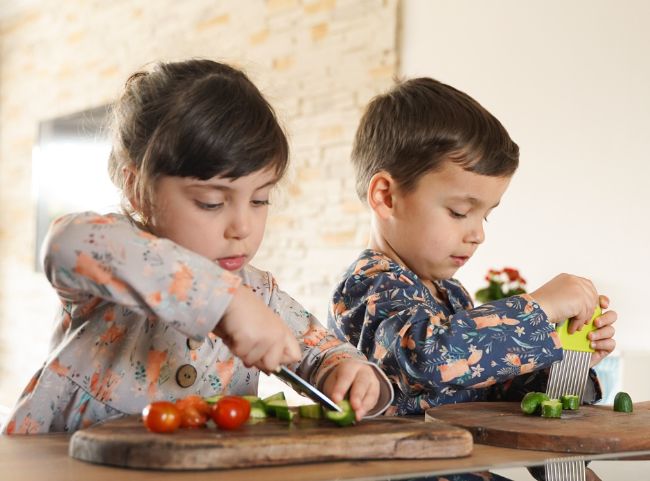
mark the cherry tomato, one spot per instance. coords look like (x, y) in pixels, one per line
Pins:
(161, 417)
(230, 412)
(194, 411)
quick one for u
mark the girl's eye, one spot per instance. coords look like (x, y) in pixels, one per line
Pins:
(259, 203)
(207, 206)
(456, 215)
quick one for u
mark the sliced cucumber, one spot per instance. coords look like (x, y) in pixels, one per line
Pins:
(213, 399)
(258, 409)
(570, 402)
(285, 413)
(272, 406)
(311, 411)
(532, 402)
(343, 418)
(623, 403)
(274, 397)
(552, 408)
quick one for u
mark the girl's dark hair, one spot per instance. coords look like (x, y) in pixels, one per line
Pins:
(196, 118)
(410, 130)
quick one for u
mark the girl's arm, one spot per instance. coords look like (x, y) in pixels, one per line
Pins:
(322, 351)
(89, 258)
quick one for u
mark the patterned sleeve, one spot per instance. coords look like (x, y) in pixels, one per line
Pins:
(322, 351)
(422, 351)
(90, 258)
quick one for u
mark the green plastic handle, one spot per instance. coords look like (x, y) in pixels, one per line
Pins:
(577, 341)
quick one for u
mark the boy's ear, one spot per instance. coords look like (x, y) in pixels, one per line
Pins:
(381, 194)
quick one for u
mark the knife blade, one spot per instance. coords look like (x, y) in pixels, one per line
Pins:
(303, 387)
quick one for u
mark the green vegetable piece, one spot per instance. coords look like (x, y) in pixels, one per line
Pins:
(532, 402)
(344, 418)
(311, 411)
(570, 402)
(552, 408)
(623, 403)
(258, 409)
(213, 399)
(272, 406)
(274, 397)
(285, 413)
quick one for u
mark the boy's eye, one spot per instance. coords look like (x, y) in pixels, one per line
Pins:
(456, 215)
(260, 202)
(208, 206)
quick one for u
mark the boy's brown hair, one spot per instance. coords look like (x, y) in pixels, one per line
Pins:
(410, 130)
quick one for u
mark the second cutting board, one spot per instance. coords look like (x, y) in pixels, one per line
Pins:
(591, 429)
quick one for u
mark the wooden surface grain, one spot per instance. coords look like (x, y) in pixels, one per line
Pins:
(45, 457)
(591, 429)
(125, 442)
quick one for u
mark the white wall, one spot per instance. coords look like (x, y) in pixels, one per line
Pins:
(570, 80)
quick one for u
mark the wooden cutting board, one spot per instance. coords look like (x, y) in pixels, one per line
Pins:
(591, 429)
(125, 442)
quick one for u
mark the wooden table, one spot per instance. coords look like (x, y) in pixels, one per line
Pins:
(45, 457)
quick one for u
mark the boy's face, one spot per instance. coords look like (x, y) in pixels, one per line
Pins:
(219, 218)
(438, 226)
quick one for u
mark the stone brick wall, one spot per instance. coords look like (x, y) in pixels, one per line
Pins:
(318, 62)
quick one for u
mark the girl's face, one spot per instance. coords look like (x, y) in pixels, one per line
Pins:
(438, 226)
(219, 218)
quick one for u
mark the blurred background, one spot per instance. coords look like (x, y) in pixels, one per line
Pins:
(569, 80)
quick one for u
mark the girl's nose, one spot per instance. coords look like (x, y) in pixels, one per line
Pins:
(239, 225)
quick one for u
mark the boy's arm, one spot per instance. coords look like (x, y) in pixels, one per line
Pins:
(322, 351)
(89, 258)
(424, 352)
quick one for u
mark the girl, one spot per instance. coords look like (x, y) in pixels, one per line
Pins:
(160, 302)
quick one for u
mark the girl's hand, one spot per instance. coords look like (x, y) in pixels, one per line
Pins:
(568, 297)
(360, 379)
(602, 339)
(256, 334)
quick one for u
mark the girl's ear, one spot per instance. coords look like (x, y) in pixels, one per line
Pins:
(381, 194)
(130, 187)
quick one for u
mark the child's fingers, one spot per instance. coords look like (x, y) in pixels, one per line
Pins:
(372, 395)
(606, 345)
(292, 351)
(342, 381)
(603, 301)
(606, 319)
(358, 391)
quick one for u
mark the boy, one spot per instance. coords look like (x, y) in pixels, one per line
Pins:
(431, 163)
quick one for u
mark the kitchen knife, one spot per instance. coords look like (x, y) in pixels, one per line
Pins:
(303, 387)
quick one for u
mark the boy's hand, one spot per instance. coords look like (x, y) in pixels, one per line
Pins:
(256, 334)
(568, 297)
(360, 379)
(602, 339)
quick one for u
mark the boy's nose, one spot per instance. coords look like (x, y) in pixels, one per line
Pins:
(476, 235)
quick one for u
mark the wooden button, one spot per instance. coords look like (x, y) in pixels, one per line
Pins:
(193, 344)
(186, 375)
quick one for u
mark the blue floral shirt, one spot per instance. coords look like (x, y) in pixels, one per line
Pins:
(441, 351)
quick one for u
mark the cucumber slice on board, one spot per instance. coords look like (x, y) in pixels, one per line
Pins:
(311, 411)
(532, 402)
(213, 399)
(285, 413)
(272, 406)
(344, 418)
(552, 408)
(570, 402)
(623, 403)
